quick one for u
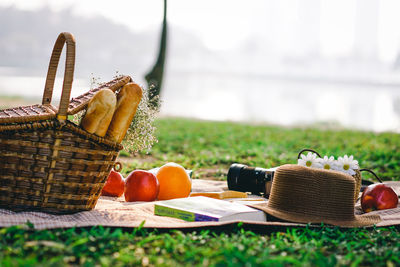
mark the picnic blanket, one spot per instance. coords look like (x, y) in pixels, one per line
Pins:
(115, 212)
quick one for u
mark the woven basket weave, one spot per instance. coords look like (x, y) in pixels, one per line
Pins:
(48, 163)
(357, 176)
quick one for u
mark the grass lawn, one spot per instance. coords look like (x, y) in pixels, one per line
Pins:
(209, 148)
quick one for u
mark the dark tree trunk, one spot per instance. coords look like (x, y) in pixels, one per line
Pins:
(155, 77)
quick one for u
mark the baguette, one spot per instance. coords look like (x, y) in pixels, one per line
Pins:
(99, 112)
(128, 100)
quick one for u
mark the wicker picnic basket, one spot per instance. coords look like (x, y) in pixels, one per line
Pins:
(357, 176)
(47, 162)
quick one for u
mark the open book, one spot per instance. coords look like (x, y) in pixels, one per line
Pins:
(207, 209)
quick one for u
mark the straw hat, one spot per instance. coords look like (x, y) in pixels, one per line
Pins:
(308, 195)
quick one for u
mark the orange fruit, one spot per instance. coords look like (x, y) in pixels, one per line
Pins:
(174, 181)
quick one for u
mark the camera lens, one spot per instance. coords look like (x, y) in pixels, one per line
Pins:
(234, 178)
(248, 179)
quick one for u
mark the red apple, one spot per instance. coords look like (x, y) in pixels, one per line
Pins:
(114, 186)
(141, 186)
(378, 197)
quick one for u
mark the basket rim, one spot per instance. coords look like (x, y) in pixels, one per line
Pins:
(54, 124)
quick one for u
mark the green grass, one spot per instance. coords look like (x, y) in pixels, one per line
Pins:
(115, 247)
(209, 148)
(203, 145)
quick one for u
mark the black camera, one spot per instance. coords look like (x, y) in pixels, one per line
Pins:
(243, 178)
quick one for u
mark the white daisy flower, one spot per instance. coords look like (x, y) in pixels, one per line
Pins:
(327, 163)
(309, 161)
(347, 164)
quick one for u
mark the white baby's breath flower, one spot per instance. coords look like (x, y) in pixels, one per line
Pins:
(328, 163)
(141, 132)
(309, 161)
(347, 164)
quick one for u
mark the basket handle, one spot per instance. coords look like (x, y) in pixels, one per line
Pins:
(64, 37)
(309, 150)
(373, 173)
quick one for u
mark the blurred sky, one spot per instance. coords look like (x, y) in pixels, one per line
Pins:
(327, 60)
(225, 24)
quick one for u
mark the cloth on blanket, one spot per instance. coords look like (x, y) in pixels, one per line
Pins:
(115, 212)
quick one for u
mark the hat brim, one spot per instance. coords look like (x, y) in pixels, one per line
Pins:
(358, 221)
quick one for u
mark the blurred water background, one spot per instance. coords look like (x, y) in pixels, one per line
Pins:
(335, 63)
